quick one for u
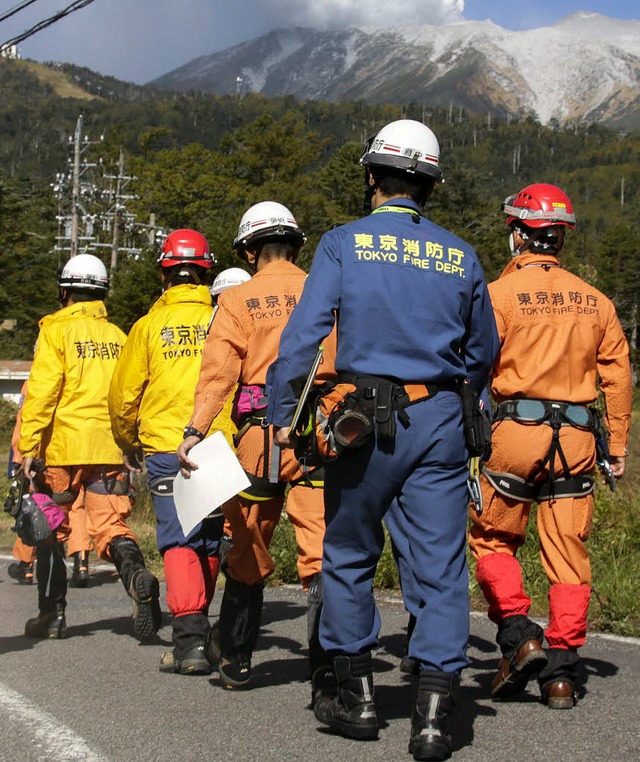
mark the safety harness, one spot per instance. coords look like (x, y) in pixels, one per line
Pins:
(534, 412)
(250, 407)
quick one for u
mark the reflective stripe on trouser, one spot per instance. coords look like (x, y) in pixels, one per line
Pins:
(252, 524)
(305, 509)
(427, 472)
(204, 538)
(190, 580)
(106, 514)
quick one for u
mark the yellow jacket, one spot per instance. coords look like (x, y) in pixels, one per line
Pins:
(65, 411)
(151, 394)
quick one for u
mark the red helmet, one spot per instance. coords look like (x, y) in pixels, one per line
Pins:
(185, 247)
(540, 206)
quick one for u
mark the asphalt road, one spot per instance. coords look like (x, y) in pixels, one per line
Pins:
(98, 696)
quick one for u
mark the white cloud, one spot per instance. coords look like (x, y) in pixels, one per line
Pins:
(331, 13)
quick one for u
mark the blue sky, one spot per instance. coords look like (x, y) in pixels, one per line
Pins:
(138, 40)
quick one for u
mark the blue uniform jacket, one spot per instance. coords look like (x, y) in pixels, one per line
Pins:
(410, 299)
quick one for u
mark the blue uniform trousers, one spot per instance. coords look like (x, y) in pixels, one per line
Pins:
(426, 471)
(204, 538)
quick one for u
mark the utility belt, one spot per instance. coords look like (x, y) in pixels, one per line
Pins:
(352, 409)
(534, 412)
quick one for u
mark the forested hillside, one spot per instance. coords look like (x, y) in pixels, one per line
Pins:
(201, 160)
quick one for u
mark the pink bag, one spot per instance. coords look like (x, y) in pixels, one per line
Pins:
(52, 511)
(248, 399)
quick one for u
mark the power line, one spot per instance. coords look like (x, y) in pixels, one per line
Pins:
(17, 9)
(75, 6)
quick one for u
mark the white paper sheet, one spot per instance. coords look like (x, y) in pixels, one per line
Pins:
(218, 478)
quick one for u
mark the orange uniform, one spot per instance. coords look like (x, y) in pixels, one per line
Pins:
(561, 340)
(242, 343)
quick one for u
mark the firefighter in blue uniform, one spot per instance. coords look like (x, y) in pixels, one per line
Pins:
(414, 318)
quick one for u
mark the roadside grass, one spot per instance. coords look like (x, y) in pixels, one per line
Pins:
(614, 546)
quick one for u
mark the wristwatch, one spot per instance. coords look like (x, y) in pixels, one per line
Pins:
(189, 431)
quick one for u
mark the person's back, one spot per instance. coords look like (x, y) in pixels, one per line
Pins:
(555, 327)
(65, 421)
(414, 319)
(561, 344)
(242, 344)
(74, 360)
(416, 313)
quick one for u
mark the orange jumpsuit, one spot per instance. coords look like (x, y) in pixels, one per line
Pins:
(560, 340)
(242, 343)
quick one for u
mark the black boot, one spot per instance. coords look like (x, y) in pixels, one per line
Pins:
(323, 679)
(141, 586)
(22, 571)
(48, 624)
(239, 627)
(409, 665)
(80, 574)
(352, 711)
(51, 574)
(189, 656)
(430, 733)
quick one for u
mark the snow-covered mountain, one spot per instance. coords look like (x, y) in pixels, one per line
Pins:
(586, 67)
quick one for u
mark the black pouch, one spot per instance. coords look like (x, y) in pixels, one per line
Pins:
(31, 526)
(476, 422)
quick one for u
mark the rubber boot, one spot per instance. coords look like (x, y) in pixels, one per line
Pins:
(51, 575)
(239, 626)
(22, 572)
(430, 733)
(352, 712)
(141, 586)
(80, 574)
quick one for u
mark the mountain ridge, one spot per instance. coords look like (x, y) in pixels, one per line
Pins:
(583, 68)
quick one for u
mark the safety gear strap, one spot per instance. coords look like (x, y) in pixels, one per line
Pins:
(517, 488)
(109, 486)
(162, 487)
(261, 488)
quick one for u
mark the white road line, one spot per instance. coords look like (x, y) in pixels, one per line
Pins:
(54, 741)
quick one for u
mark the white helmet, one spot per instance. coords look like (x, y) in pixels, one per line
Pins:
(404, 145)
(268, 219)
(233, 276)
(84, 272)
